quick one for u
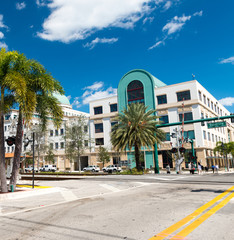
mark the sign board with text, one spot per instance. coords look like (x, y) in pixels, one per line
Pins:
(216, 124)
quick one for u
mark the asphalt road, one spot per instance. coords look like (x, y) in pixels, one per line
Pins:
(123, 207)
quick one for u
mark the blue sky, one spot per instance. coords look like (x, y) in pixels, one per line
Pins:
(88, 45)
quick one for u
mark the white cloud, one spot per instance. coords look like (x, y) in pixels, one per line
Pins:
(157, 44)
(175, 25)
(3, 45)
(228, 60)
(69, 97)
(228, 101)
(93, 43)
(167, 5)
(72, 20)
(148, 19)
(20, 6)
(2, 25)
(76, 103)
(1, 35)
(96, 86)
(99, 95)
(198, 13)
(41, 3)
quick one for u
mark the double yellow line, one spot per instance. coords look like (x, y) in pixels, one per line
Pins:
(182, 234)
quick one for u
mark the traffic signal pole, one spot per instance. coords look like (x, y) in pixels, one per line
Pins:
(186, 122)
(194, 121)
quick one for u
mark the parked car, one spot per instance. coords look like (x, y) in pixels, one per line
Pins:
(112, 168)
(92, 168)
(48, 168)
(30, 169)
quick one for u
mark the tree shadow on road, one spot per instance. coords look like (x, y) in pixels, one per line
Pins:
(207, 190)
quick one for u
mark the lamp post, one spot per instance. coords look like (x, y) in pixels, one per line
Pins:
(26, 142)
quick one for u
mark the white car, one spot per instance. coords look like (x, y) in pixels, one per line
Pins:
(92, 168)
(30, 169)
(112, 168)
(48, 168)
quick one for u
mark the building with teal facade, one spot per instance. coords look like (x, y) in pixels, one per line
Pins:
(139, 86)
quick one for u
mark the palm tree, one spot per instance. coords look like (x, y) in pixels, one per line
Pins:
(225, 149)
(6, 61)
(40, 86)
(136, 128)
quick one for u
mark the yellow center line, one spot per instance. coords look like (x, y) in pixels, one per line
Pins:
(165, 233)
(182, 234)
(30, 186)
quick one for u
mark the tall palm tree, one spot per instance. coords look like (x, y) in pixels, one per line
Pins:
(136, 128)
(7, 59)
(40, 86)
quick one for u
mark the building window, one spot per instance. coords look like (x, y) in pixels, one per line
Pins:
(113, 107)
(99, 128)
(199, 94)
(208, 102)
(162, 99)
(208, 134)
(86, 143)
(56, 132)
(61, 131)
(135, 92)
(164, 119)
(62, 145)
(218, 110)
(187, 116)
(191, 134)
(51, 133)
(99, 141)
(215, 108)
(56, 145)
(98, 110)
(204, 99)
(216, 139)
(204, 134)
(182, 96)
(85, 128)
(168, 137)
(212, 105)
(51, 146)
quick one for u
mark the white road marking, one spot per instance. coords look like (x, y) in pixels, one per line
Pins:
(109, 187)
(68, 195)
(64, 202)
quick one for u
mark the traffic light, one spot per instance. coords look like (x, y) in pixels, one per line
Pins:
(232, 119)
(182, 149)
(202, 123)
(10, 141)
(174, 150)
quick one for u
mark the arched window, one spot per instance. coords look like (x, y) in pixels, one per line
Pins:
(135, 92)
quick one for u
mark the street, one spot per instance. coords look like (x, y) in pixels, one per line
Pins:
(123, 207)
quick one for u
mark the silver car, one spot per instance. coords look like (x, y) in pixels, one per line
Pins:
(92, 168)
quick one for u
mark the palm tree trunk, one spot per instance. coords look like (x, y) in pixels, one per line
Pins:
(137, 157)
(2, 147)
(18, 149)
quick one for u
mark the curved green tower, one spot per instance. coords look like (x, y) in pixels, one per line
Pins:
(138, 86)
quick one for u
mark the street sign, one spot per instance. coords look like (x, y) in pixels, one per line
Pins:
(216, 124)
